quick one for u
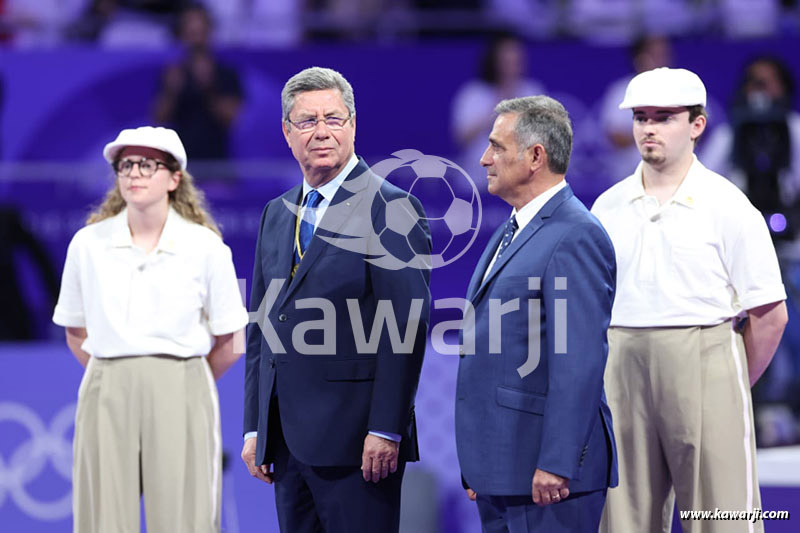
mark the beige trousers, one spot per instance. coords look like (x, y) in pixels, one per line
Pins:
(683, 421)
(147, 426)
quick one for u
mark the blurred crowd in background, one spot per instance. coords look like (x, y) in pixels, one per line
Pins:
(754, 138)
(121, 23)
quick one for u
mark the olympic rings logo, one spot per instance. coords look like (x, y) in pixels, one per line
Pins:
(23, 465)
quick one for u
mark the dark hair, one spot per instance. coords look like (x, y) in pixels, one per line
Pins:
(696, 111)
(488, 65)
(642, 42)
(784, 74)
(191, 7)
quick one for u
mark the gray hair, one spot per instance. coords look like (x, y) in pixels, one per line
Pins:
(316, 79)
(541, 120)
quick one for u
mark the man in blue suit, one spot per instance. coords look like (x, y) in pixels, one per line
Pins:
(329, 399)
(533, 430)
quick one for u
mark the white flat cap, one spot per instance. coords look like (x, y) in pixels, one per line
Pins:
(664, 87)
(163, 139)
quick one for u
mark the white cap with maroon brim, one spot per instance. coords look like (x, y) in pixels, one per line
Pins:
(665, 87)
(163, 139)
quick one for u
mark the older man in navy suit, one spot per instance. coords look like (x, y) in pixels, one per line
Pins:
(329, 399)
(533, 430)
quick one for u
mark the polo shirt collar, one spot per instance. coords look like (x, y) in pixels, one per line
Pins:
(687, 190)
(120, 232)
(168, 242)
(635, 188)
(170, 234)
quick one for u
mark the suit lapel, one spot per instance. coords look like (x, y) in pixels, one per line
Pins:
(337, 213)
(483, 262)
(531, 228)
(527, 232)
(284, 231)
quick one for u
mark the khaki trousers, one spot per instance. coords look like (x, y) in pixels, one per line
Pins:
(147, 426)
(683, 420)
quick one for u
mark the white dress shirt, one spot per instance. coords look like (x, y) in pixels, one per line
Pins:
(702, 257)
(172, 301)
(327, 191)
(526, 214)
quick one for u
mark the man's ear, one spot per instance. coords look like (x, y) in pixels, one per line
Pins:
(536, 157)
(698, 127)
(285, 128)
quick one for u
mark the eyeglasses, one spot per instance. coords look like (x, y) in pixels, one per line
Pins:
(308, 124)
(147, 167)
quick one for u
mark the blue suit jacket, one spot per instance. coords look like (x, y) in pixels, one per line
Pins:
(328, 402)
(555, 418)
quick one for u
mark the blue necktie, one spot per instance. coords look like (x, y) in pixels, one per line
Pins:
(508, 234)
(306, 231)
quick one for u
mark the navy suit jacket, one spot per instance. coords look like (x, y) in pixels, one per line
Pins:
(329, 401)
(511, 418)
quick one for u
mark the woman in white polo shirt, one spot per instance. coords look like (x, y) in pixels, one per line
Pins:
(150, 302)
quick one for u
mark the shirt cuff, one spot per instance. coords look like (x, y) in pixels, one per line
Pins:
(67, 319)
(250, 435)
(388, 436)
(762, 297)
(230, 324)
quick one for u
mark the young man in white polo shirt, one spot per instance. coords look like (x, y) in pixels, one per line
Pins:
(698, 315)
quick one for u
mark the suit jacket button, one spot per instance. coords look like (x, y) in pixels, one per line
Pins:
(272, 362)
(282, 317)
(461, 352)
